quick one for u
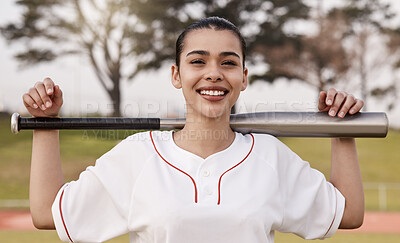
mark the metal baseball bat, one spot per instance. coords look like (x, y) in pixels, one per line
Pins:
(280, 124)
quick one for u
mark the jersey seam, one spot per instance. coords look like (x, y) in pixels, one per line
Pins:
(62, 217)
(176, 168)
(334, 216)
(279, 185)
(220, 178)
(119, 209)
(136, 184)
(133, 193)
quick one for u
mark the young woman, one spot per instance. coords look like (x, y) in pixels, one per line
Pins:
(204, 183)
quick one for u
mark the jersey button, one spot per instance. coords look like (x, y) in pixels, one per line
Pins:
(206, 173)
(208, 191)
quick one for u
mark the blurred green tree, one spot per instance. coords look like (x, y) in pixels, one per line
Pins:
(367, 26)
(319, 59)
(122, 38)
(391, 91)
(98, 29)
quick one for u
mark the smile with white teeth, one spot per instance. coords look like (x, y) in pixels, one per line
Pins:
(212, 92)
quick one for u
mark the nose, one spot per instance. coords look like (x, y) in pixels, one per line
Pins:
(213, 74)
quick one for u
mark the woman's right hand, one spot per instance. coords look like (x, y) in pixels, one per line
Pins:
(44, 99)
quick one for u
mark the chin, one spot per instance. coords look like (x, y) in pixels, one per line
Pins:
(216, 113)
(209, 111)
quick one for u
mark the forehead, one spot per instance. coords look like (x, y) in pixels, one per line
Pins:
(212, 40)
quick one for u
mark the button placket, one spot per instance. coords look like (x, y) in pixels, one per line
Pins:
(205, 173)
(206, 181)
(208, 191)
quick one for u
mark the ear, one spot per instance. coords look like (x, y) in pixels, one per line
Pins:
(175, 77)
(244, 82)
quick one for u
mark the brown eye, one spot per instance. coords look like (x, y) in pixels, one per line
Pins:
(230, 63)
(197, 61)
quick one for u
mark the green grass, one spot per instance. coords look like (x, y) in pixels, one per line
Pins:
(43, 237)
(79, 149)
(342, 238)
(379, 162)
(51, 237)
(379, 158)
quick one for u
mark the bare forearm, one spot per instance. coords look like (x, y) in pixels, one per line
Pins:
(346, 177)
(46, 176)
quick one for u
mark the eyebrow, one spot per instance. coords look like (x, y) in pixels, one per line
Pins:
(229, 53)
(206, 53)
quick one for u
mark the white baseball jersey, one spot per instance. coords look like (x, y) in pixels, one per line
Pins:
(158, 192)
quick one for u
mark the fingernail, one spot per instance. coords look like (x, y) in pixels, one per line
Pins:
(35, 106)
(332, 112)
(48, 104)
(341, 114)
(49, 91)
(43, 107)
(329, 102)
(352, 111)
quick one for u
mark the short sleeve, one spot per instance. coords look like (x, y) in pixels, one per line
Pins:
(95, 208)
(312, 207)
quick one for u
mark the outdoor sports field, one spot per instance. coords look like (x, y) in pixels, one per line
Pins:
(48, 236)
(379, 160)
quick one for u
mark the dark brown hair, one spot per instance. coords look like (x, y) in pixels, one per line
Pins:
(216, 23)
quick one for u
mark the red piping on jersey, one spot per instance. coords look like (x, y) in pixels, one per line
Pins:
(62, 218)
(334, 217)
(220, 178)
(194, 183)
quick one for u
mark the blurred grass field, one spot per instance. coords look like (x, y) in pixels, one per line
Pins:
(51, 237)
(379, 161)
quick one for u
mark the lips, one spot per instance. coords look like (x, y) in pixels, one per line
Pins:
(212, 91)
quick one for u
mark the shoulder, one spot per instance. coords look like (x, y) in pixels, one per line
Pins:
(275, 152)
(147, 137)
(130, 154)
(265, 138)
(138, 146)
(132, 143)
(263, 147)
(141, 140)
(268, 143)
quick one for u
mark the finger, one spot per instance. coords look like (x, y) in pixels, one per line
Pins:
(330, 96)
(43, 95)
(49, 86)
(337, 103)
(58, 94)
(321, 101)
(29, 102)
(357, 107)
(349, 102)
(57, 91)
(36, 97)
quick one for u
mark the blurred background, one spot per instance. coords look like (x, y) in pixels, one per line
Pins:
(113, 58)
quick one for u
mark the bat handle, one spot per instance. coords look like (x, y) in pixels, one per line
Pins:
(15, 119)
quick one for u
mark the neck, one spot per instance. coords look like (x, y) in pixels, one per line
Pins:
(205, 136)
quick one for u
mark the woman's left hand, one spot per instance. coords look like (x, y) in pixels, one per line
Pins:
(338, 103)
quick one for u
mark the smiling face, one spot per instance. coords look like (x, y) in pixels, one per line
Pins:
(211, 72)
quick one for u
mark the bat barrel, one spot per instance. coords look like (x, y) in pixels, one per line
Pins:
(280, 124)
(312, 124)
